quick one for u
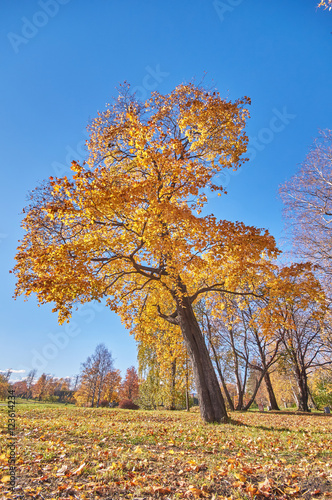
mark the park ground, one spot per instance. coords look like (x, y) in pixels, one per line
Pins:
(66, 452)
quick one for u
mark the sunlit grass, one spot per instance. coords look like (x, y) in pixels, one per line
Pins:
(136, 454)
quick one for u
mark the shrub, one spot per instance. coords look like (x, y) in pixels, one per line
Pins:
(127, 404)
(104, 403)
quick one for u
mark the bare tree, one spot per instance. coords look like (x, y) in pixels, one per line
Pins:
(304, 338)
(308, 205)
(29, 382)
(235, 338)
(264, 349)
(104, 361)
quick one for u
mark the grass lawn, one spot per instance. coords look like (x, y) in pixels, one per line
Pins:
(65, 452)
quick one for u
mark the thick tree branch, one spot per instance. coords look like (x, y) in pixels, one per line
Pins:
(171, 318)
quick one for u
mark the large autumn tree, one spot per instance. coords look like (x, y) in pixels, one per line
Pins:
(127, 225)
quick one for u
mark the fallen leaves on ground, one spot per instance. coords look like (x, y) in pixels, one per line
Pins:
(85, 453)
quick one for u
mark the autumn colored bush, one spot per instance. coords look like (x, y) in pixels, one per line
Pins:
(127, 404)
(104, 403)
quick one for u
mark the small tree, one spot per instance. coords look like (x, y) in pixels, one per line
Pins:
(112, 387)
(20, 388)
(150, 387)
(94, 375)
(130, 386)
(321, 387)
(43, 387)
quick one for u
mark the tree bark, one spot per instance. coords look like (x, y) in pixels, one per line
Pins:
(173, 374)
(222, 380)
(99, 391)
(272, 397)
(187, 387)
(239, 386)
(216, 360)
(303, 391)
(93, 395)
(211, 401)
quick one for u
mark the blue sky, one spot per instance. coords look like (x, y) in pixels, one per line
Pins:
(61, 61)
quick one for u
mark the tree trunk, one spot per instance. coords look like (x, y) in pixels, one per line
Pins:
(303, 391)
(173, 374)
(94, 393)
(239, 404)
(222, 380)
(211, 401)
(187, 387)
(252, 399)
(312, 399)
(187, 400)
(272, 398)
(239, 385)
(216, 360)
(99, 394)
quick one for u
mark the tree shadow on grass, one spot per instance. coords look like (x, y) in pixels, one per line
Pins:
(238, 423)
(295, 412)
(262, 427)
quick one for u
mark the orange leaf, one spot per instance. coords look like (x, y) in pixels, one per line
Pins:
(161, 490)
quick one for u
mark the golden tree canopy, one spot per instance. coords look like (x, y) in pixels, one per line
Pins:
(127, 224)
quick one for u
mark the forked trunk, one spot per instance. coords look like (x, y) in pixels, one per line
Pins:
(211, 402)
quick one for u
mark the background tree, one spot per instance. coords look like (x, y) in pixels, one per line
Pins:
(256, 390)
(284, 384)
(308, 205)
(62, 391)
(150, 383)
(93, 376)
(161, 350)
(20, 388)
(234, 332)
(103, 362)
(299, 316)
(112, 386)
(127, 226)
(223, 339)
(4, 384)
(43, 387)
(164, 369)
(30, 381)
(320, 383)
(130, 385)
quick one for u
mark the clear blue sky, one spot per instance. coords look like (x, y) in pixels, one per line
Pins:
(61, 61)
